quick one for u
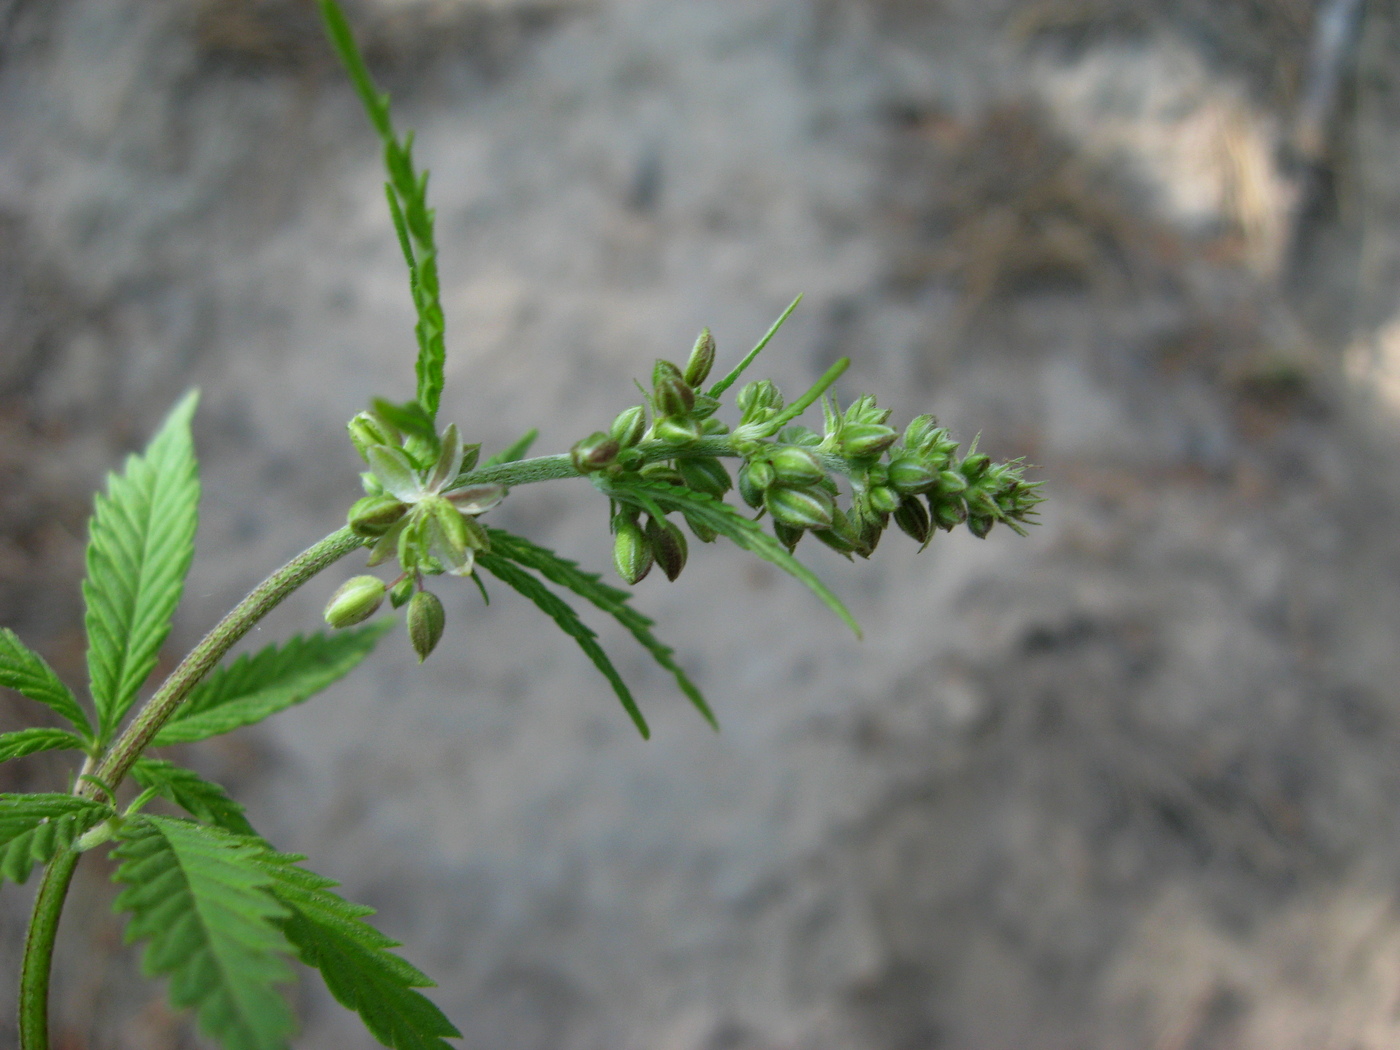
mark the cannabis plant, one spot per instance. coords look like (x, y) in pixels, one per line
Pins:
(222, 911)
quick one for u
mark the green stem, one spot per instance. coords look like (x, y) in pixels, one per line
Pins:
(117, 762)
(38, 951)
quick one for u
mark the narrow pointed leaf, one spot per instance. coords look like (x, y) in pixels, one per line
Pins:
(32, 741)
(743, 531)
(202, 799)
(25, 671)
(612, 600)
(738, 370)
(556, 608)
(202, 900)
(254, 687)
(140, 543)
(329, 934)
(35, 827)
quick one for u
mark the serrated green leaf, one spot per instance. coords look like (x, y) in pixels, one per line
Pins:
(31, 741)
(202, 899)
(557, 609)
(254, 687)
(35, 827)
(611, 600)
(24, 671)
(140, 544)
(742, 531)
(330, 935)
(202, 799)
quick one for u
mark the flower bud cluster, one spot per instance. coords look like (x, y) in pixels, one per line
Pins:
(415, 512)
(790, 473)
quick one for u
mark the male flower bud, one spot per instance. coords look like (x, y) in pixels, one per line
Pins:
(705, 474)
(975, 465)
(749, 488)
(632, 555)
(374, 515)
(980, 524)
(355, 600)
(425, 623)
(757, 399)
(787, 535)
(677, 431)
(795, 466)
(672, 396)
(662, 371)
(801, 508)
(919, 430)
(627, 429)
(883, 499)
(594, 452)
(948, 513)
(912, 516)
(702, 359)
(909, 476)
(859, 440)
(669, 546)
(367, 430)
(401, 592)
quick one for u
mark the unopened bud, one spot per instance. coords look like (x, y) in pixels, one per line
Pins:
(786, 534)
(662, 371)
(912, 516)
(801, 508)
(749, 488)
(705, 474)
(795, 466)
(757, 398)
(918, 431)
(426, 620)
(401, 592)
(367, 429)
(702, 359)
(909, 476)
(866, 439)
(355, 600)
(680, 431)
(672, 396)
(975, 465)
(627, 429)
(951, 483)
(883, 499)
(632, 555)
(669, 546)
(594, 452)
(947, 512)
(980, 524)
(373, 515)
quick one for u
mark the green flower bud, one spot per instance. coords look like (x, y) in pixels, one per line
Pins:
(909, 476)
(355, 600)
(673, 396)
(951, 483)
(705, 406)
(797, 434)
(425, 623)
(975, 465)
(680, 431)
(659, 471)
(703, 532)
(918, 431)
(795, 466)
(912, 516)
(863, 410)
(948, 512)
(373, 515)
(866, 439)
(805, 508)
(835, 541)
(664, 370)
(883, 499)
(594, 452)
(980, 524)
(366, 430)
(787, 535)
(713, 427)
(401, 592)
(669, 546)
(632, 554)
(762, 474)
(749, 489)
(705, 474)
(757, 399)
(627, 429)
(702, 359)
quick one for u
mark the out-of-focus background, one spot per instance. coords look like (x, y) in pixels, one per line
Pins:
(1130, 783)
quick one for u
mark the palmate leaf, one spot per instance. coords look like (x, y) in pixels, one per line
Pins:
(25, 671)
(35, 827)
(254, 687)
(354, 959)
(31, 741)
(202, 799)
(140, 544)
(742, 531)
(612, 600)
(201, 898)
(559, 610)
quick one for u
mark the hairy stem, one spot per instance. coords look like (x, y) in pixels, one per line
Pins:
(117, 762)
(38, 951)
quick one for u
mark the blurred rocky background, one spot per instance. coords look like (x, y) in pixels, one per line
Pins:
(1130, 783)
